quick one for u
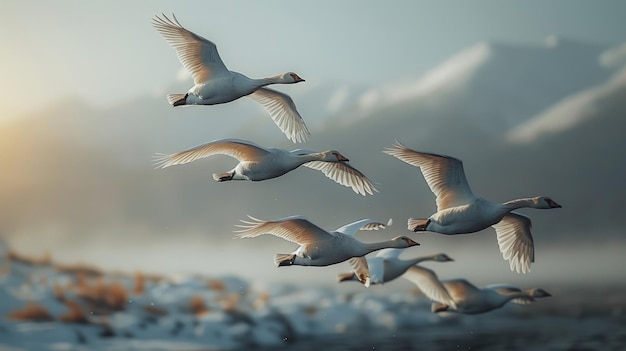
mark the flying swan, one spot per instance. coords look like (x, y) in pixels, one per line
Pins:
(258, 163)
(460, 212)
(461, 296)
(319, 247)
(215, 84)
(385, 266)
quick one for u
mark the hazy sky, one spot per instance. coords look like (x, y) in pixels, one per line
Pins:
(107, 51)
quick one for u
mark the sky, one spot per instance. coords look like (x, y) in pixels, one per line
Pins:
(107, 52)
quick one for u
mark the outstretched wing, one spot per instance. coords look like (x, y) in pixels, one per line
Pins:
(516, 241)
(344, 174)
(296, 229)
(427, 281)
(444, 175)
(283, 111)
(239, 149)
(364, 224)
(367, 271)
(197, 54)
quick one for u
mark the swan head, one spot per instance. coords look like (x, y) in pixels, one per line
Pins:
(334, 156)
(442, 257)
(291, 78)
(539, 293)
(404, 241)
(545, 202)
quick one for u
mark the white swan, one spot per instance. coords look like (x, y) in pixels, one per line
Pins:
(460, 212)
(459, 295)
(385, 266)
(215, 84)
(258, 163)
(318, 247)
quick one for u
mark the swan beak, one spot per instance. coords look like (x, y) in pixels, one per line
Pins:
(555, 205)
(342, 158)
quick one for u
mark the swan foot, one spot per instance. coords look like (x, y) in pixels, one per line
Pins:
(284, 259)
(222, 177)
(418, 225)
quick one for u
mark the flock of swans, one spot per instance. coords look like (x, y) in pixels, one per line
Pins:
(459, 211)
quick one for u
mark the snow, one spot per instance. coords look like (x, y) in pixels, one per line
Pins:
(241, 315)
(614, 57)
(571, 111)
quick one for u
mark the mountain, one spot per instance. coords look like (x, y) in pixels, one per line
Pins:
(77, 176)
(500, 85)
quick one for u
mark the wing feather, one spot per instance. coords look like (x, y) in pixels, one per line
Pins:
(284, 113)
(239, 149)
(197, 54)
(361, 268)
(515, 241)
(343, 173)
(296, 229)
(427, 281)
(445, 175)
(363, 224)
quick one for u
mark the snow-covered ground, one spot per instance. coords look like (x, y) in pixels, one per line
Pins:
(47, 307)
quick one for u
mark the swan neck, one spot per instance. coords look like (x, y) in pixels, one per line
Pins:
(267, 81)
(316, 156)
(370, 247)
(519, 203)
(421, 259)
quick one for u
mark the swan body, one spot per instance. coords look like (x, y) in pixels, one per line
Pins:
(459, 211)
(319, 247)
(257, 163)
(215, 84)
(461, 296)
(385, 266)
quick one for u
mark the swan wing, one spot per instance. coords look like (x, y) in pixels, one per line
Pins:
(343, 173)
(461, 289)
(364, 224)
(516, 241)
(296, 229)
(445, 175)
(239, 149)
(427, 281)
(197, 54)
(366, 271)
(283, 111)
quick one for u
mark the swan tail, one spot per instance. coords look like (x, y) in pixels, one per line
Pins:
(177, 99)
(417, 225)
(284, 259)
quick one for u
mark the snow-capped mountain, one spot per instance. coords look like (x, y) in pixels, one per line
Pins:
(499, 85)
